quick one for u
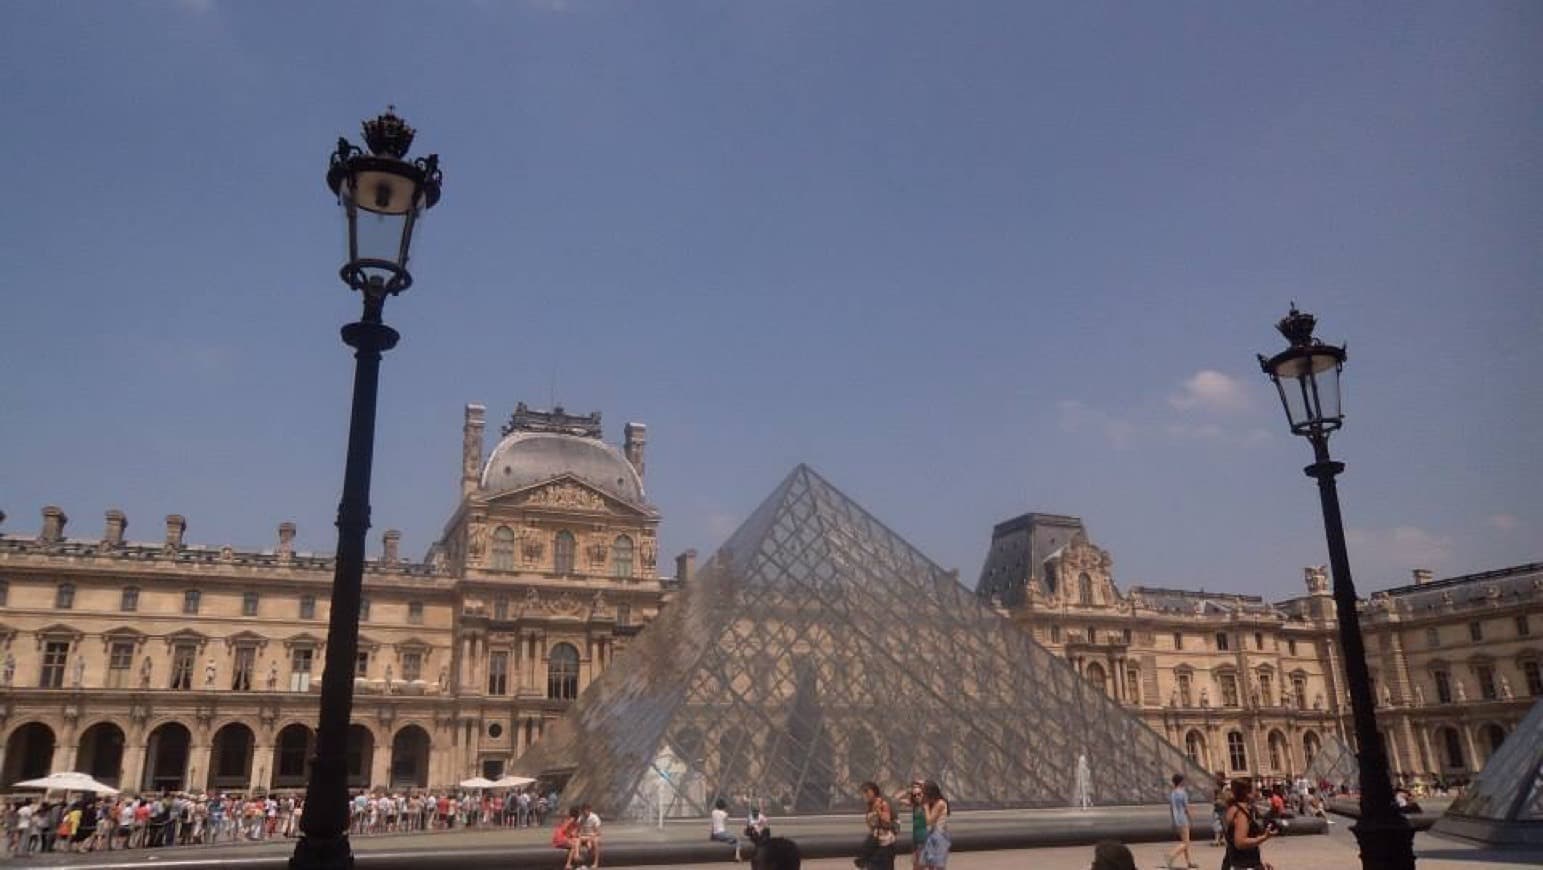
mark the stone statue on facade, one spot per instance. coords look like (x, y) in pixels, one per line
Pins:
(1419, 696)
(388, 678)
(1462, 694)
(78, 672)
(8, 676)
(1205, 697)
(209, 671)
(145, 667)
(444, 680)
(273, 676)
(1318, 701)
(1387, 696)
(1505, 688)
(1173, 698)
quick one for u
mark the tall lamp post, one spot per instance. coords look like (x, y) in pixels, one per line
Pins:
(383, 196)
(1307, 376)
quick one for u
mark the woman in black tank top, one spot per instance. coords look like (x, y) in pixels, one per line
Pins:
(1243, 831)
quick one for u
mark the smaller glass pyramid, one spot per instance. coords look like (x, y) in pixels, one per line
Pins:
(817, 650)
(1335, 763)
(1508, 793)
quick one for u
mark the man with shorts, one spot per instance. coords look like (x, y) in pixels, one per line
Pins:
(1178, 808)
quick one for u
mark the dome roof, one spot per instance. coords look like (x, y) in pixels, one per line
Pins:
(525, 458)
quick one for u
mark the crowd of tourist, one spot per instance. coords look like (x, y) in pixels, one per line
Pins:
(124, 821)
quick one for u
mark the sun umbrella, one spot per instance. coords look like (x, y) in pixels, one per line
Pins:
(477, 782)
(512, 781)
(68, 781)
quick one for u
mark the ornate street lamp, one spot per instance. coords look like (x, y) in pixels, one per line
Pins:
(1307, 376)
(383, 196)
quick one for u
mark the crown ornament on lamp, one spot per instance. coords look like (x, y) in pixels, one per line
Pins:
(388, 135)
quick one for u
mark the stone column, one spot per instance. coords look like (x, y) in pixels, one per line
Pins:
(262, 760)
(1473, 749)
(200, 756)
(133, 761)
(1432, 764)
(380, 764)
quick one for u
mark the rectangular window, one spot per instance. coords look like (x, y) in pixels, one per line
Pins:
(190, 601)
(415, 613)
(1126, 635)
(130, 600)
(1184, 693)
(55, 654)
(182, 666)
(1221, 641)
(1475, 631)
(1055, 634)
(300, 669)
(308, 607)
(501, 608)
(120, 659)
(245, 665)
(1534, 678)
(1523, 627)
(249, 602)
(362, 664)
(64, 596)
(498, 673)
(1443, 686)
(364, 610)
(1299, 691)
(1132, 684)
(1432, 637)
(1486, 677)
(412, 665)
(1178, 640)
(1259, 640)
(1236, 756)
(5, 592)
(1291, 647)
(623, 614)
(1229, 690)
(1266, 690)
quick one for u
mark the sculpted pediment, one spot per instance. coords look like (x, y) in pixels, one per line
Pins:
(568, 493)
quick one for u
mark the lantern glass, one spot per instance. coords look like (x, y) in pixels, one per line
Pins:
(1308, 381)
(382, 200)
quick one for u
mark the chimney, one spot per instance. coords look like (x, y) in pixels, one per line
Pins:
(176, 524)
(286, 540)
(2, 518)
(471, 449)
(53, 525)
(685, 567)
(116, 523)
(390, 541)
(1422, 576)
(637, 437)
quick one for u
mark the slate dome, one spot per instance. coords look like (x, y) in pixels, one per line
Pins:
(524, 458)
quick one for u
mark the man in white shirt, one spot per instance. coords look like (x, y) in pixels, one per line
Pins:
(589, 835)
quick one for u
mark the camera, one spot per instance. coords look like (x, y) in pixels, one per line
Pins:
(1277, 826)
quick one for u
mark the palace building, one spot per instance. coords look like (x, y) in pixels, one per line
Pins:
(168, 664)
(1249, 686)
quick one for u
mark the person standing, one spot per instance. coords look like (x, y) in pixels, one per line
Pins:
(1178, 808)
(1244, 832)
(718, 831)
(878, 849)
(935, 848)
(912, 798)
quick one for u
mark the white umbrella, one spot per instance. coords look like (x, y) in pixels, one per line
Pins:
(512, 781)
(477, 782)
(68, 781)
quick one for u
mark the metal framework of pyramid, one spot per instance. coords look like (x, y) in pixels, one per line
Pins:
(817, 650)
(1504, 805)
(1335, 763)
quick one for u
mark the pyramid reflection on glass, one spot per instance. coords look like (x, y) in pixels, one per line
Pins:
(817, 650)
(1505, 803)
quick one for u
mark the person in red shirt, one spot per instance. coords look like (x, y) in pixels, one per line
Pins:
(565, 836)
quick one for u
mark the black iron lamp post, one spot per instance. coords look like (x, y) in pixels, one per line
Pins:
(1307, 376)
(383, 196)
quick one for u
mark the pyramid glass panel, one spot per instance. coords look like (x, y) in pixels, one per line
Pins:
(817, 650)
(1510, 787)
(1335, 763)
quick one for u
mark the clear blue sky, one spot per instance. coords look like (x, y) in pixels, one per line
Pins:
(966, 259)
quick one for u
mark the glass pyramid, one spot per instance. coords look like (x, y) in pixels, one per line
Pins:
(817, 650)
(1335, 763)
(1510, 787)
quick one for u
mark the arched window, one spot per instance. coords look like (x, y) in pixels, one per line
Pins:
(1277, 744)
(1096, 676)
(1194, 747)
(562, 552)
(621, 556)
(1494, 735)
(503, 549)
(1454, 747)
(1050, 579)
(562, 673)
(1084, 589)
(1237, 756)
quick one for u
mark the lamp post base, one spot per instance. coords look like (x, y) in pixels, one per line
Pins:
(1385, 843)
(322, 853)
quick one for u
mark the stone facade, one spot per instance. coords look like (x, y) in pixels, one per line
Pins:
(1246, 686)
(169, 664)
